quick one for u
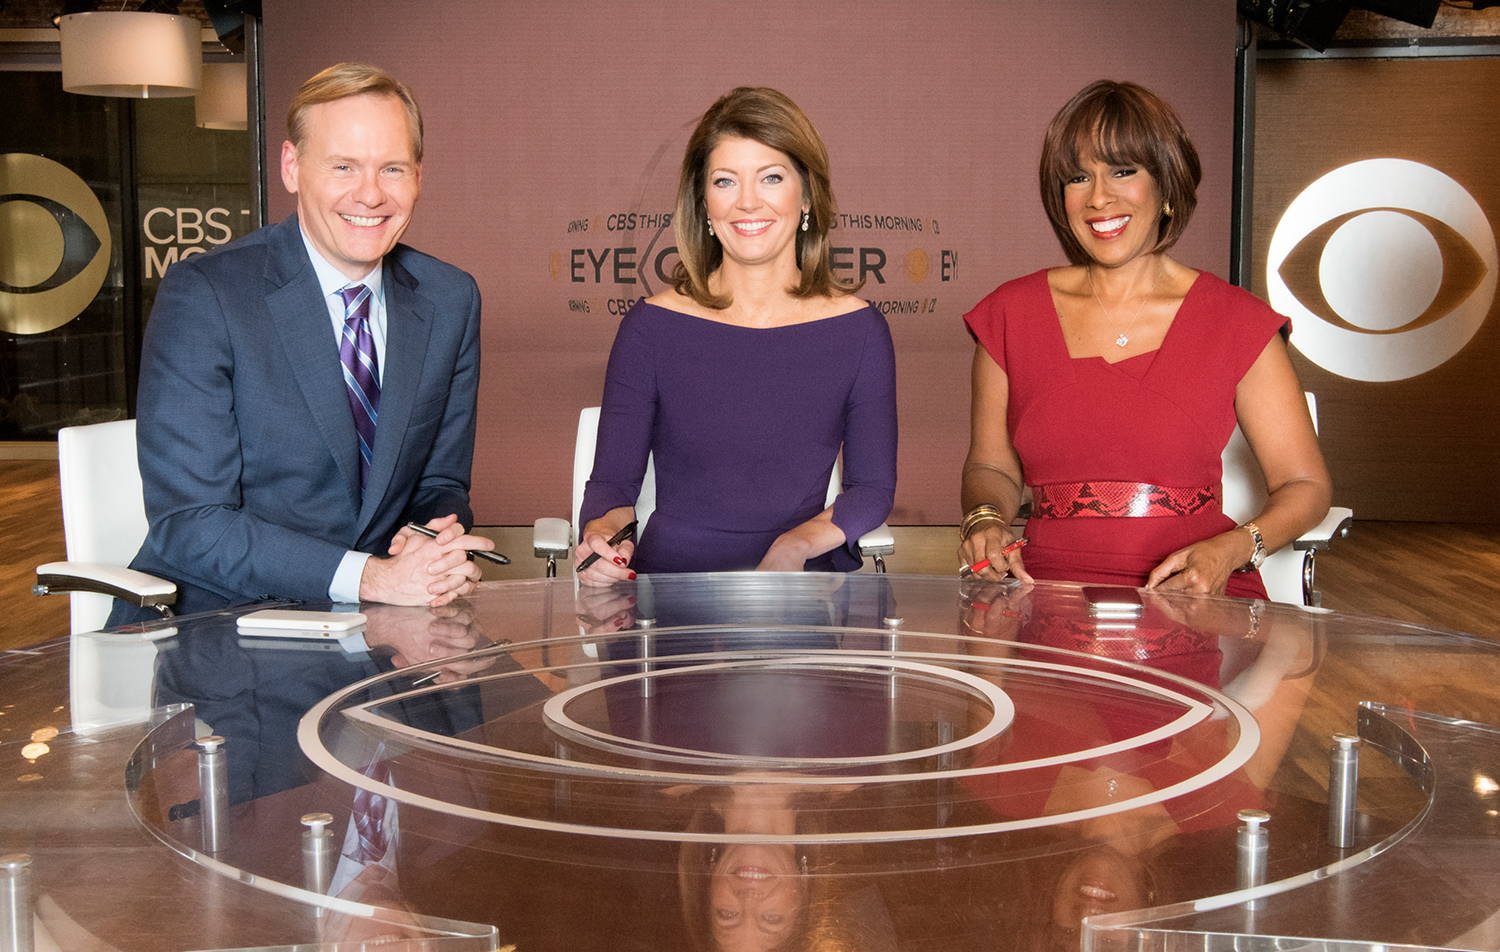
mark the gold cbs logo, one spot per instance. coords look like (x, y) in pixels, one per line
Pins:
(54, 244)
(917, 265)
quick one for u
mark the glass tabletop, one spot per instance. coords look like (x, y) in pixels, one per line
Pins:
(763, 761)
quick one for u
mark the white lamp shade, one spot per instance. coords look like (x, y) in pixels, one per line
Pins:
(139, 55)
(222, 99)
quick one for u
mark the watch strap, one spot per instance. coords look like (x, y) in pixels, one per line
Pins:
(1258, 556)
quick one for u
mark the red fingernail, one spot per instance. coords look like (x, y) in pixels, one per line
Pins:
(619, 561)
(632, 578)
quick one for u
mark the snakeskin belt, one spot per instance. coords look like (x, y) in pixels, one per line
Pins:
(1106, 498)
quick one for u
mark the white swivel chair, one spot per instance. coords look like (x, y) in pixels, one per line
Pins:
(553, 538)
(1288, 573)
(104, 524)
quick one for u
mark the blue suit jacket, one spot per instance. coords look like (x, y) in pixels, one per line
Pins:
(247, 446)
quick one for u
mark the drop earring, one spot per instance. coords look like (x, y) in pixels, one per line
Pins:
(710, 227)
(1166, 209)
(804, 221)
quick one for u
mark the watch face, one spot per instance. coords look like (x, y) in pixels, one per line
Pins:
(1260, 553)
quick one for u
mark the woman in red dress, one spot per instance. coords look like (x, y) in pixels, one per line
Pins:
(1110, 386)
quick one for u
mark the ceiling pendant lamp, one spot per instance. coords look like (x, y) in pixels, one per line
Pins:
(133, 54)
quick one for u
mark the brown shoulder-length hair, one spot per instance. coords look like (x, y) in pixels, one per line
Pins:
(697, 861)
(770, 118)
(352, 79)
(1121, 124)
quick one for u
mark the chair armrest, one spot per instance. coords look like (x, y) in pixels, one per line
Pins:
(878, 541)
(128, 585)
(1335, 524)
(551, 538)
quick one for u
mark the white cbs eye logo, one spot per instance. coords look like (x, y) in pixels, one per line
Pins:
(1405, 276)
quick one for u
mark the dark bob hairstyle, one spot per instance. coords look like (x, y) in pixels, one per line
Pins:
(1120, 124)
(770, 118)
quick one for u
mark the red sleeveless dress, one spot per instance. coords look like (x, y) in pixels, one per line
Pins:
(1161, 418)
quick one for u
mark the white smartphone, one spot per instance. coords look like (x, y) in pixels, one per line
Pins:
(280, 623)
(291, 640)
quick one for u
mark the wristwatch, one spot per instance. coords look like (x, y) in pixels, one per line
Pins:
(1259, 555)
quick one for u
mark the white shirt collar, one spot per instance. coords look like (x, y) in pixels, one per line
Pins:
(332, 280)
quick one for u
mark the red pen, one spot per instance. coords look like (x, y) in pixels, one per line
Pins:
(983, 564)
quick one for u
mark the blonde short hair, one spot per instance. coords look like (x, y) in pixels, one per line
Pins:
(351, 79)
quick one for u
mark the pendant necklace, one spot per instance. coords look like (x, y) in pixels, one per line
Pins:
(1124, 337)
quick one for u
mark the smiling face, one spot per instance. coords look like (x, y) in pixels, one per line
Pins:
(1113, 210)
(755, 897)
(356, 179)
(755, 202)
(1100, 881)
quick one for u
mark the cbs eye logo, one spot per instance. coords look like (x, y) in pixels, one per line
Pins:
(54, 244)
(1386, 267)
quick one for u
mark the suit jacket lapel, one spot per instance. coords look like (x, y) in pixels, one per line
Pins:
(301, 319)
(408, 324)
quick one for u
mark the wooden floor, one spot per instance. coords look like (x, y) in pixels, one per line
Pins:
(1435, 574)
(31, 525)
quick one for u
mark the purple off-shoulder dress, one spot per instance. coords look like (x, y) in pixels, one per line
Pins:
(745, 425)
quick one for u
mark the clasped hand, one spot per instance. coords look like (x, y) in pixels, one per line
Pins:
(419, 634)
(423, 571)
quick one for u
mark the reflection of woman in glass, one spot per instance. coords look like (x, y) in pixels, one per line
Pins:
(747, 895)
(1088, 880)
(766, 896)
(1101, 880)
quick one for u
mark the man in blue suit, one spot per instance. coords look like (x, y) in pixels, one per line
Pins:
(309, 389)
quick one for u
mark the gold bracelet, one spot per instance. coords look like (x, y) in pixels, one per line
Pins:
(983, 509)
(977, 515)
(968, 527)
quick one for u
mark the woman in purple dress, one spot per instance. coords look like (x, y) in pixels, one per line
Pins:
(748, 378)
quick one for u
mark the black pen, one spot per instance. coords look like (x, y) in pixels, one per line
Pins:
(614, 540)
(494, 557)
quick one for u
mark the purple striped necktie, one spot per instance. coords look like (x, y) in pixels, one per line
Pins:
(361, 373)
(369, 815)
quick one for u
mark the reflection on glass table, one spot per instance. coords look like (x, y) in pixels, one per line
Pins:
(767, 762)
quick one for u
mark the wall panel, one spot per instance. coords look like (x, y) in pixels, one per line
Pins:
(1389, 271)
(548, 121)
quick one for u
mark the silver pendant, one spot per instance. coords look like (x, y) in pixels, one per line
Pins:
(1122, 340)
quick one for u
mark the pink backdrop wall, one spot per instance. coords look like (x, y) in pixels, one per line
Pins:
(550, 124)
